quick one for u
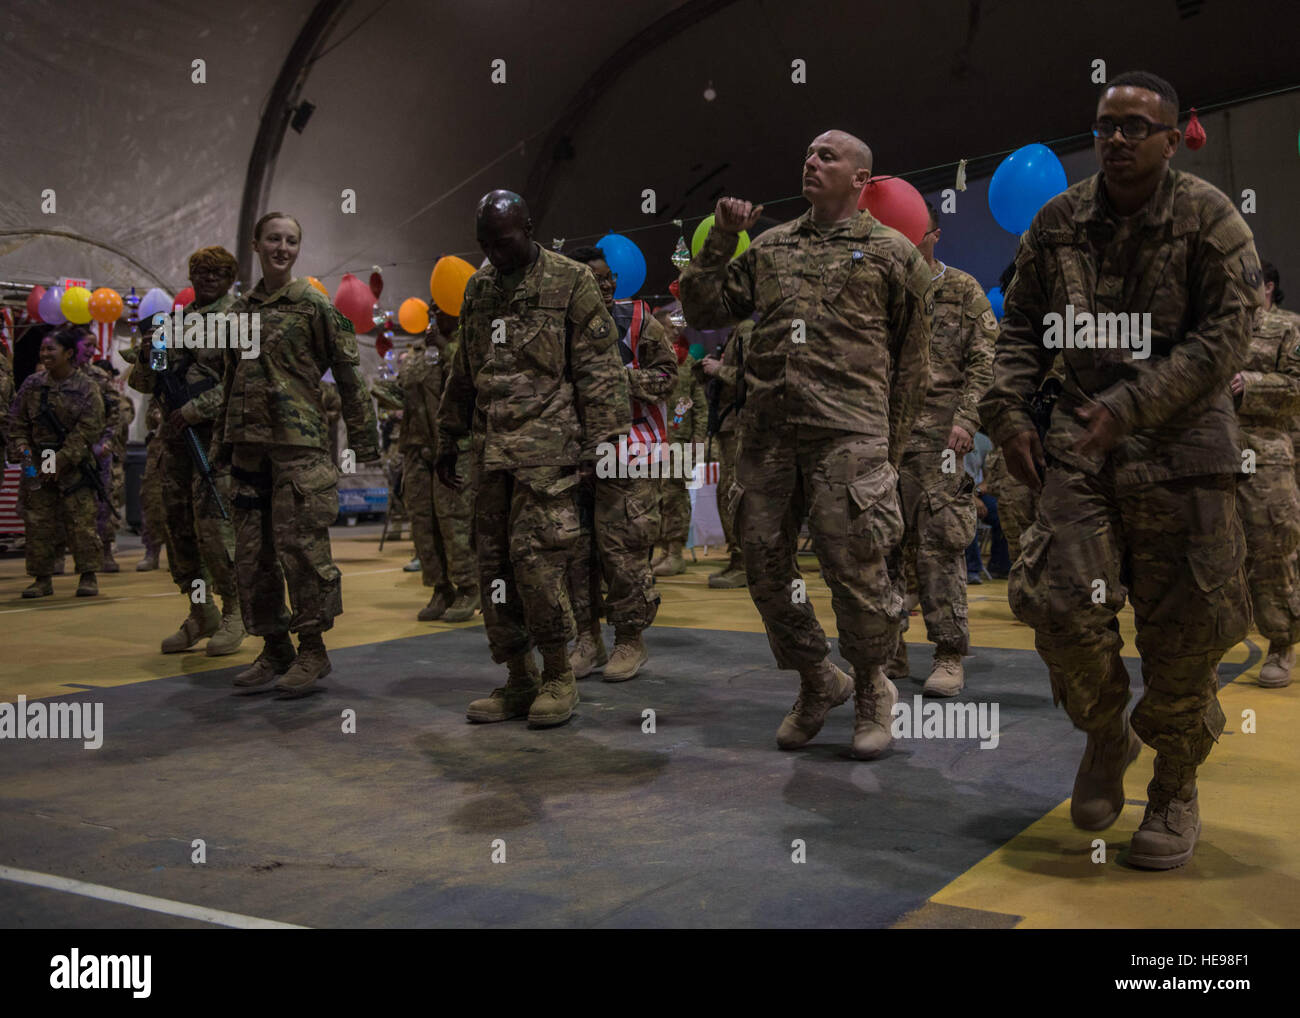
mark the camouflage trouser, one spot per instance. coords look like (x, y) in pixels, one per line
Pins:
(674, 511)
(440, 524)
(105, 525)
(153, 514)
(525, 525)
(1177, 550)
(1269, 505)
(849, 491)
(939, 516)
(396, 503)
(200, 544)
(726, 446)
(1017, 504)
(49, 516)
(626, 519)
(285, 498)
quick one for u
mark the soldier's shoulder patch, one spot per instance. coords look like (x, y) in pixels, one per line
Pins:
(601, 327)
(1250, 272)
(989, 320)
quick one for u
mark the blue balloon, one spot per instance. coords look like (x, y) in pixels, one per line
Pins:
(995, 298)
(626, 261)
(1023, 184)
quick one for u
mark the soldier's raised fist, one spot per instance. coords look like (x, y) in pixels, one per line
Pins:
(734, 215)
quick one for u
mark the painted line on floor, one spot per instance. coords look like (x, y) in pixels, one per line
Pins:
(215, 916)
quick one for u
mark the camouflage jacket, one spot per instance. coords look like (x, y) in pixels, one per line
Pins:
(961, 360)
(103, 381)
(842, 338)
(1270, 398)
(275, 398)
(656, 372)
(6, 398)
(200, 369)
(688, 401)
(726, 378)
(536, 378)
(78, 405)
(1188, 260)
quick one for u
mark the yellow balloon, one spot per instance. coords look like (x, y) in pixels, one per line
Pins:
(413, 315)
(318, 284)
(448, 281)
(75, 305)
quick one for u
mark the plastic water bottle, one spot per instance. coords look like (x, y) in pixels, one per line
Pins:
(158, 355)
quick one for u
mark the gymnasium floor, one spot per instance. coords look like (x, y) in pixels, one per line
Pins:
(599, 823)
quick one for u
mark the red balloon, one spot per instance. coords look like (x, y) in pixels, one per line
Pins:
(1194, 136)
(356, 302)
(34, 303)
(185, 298)
(897, 203)
(376, 284)
(382, 345)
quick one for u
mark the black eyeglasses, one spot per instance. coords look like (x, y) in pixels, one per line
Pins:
(1133, 128)
(611, 278)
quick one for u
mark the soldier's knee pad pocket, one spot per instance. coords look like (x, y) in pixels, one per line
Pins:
(873, 511)
(952, 518)
(1028, 591)
(1218, 571)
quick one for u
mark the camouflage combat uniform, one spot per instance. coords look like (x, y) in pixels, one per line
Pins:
(153, 511)
(688, 402)
(726, 447)
(625, 510)
(63, 503)
(108, 440)
(441, 518)
(836, 370)
(1267, 497)
(285, 487)
(535, 403)
(201, 545)
(6, 398)
(938, 505)
(1154, 520)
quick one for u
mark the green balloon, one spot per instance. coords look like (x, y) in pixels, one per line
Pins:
(697, 351)
(702, 232)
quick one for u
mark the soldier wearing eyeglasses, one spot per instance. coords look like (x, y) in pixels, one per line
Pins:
(1137, 469)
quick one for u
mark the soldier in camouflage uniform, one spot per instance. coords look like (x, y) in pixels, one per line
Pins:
(110, 445)
(6, 394)
(201, 544)
(726, 447)
(56, 494)
(441, 518)
(538, 385)
(624, 520)
(272, 432)
(1139, 496)
(938, 504)
(1267, 392)
(153, 513)
(388, 397)
(835, 373)
(688, 425)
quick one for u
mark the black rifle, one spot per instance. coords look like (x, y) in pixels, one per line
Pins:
(89, 469)
(175, 394)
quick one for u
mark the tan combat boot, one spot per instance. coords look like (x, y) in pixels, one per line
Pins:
(559, 693)
(89, 585)
(1098, 796)
(588, 653)
(821, 687)
(873, 706)
(1276, 672)
(230, 636)
(1172, 823)
(464, 607)
(413, 566)
(948, 677)
(203, 620)
(732, 577)
(41, 586)
(147, 564)
(672, 564)
(660, 554)
(898, 668)
(276, 657)
(110, 564)
(514, 698)
(628, 656)
(437, 606)
(311, 664)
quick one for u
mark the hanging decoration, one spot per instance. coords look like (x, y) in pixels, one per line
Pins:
(1194, 135)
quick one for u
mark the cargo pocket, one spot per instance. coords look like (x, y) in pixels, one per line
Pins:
(316, 491)
(732, 498)
(642, 519)
(1028, 589)
(874, 514)
(1284, 512)
(1218, 571)
(953, 518)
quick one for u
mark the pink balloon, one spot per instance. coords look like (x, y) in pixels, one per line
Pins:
(355, 299)
(897, 203)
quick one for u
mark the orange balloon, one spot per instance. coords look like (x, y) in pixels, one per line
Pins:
(413, 315)
(105, 305)
(318, 284)
(448, 281)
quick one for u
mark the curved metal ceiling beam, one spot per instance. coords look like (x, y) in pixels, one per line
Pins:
(540, 181)
(275, 120)
(80, 239)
